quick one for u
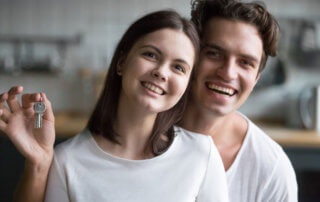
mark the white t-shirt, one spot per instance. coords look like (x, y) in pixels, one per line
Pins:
(261, 171)
(190, 170)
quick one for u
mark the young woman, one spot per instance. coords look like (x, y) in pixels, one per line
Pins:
(130, 150)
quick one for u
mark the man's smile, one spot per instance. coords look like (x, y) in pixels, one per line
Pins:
(220, 89)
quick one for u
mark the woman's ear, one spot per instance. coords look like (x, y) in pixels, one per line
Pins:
(120, 65)
(119, 72)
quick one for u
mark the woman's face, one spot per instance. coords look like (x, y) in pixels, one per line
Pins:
(157, 69)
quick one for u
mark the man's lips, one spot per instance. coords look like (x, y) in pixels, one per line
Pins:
(153, 87)
(221, 89)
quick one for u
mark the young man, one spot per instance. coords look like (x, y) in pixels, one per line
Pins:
(237, 38)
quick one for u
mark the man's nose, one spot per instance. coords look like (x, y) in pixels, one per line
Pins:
(228, 69)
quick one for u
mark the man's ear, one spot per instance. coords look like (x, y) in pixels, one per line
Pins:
(258, 77)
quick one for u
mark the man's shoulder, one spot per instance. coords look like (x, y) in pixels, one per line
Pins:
(263, 167)
(259, 141)
(262, 151)
(267, 155)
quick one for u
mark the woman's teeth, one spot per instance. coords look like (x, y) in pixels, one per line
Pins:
(153, 88)
(220, 89)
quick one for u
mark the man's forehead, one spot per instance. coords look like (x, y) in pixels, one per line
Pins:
(217, 23)
(232, 35)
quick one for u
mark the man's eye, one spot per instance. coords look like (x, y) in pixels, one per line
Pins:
(213, 53)
(247, 63)
(179, 68)
(149, 54)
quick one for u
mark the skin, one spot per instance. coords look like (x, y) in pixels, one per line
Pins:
(230, 58)
(36, 145)
(156, 58)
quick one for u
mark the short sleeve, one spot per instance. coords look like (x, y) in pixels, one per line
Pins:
(282, 186)
(214, 185)
(56, 185)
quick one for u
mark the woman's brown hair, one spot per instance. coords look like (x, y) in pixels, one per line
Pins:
(104, 115)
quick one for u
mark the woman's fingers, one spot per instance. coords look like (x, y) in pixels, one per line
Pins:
(12, 100)
(29, 99)
(3, 98)
(4, 115)
(48, 114)
(3, 125)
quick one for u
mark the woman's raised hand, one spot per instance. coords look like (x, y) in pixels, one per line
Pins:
(17, 122)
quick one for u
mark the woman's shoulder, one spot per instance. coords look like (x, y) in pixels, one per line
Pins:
(73, 145)
(196, 141)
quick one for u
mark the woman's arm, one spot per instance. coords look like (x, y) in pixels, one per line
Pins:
(35, 144)
(32, 185)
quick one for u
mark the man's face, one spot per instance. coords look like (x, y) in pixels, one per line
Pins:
(228, 66)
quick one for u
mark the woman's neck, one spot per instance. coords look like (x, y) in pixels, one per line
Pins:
(134, 126)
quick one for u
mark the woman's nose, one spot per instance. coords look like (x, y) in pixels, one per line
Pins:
(160, 73)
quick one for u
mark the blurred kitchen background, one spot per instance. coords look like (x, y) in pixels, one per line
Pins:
(63, 48)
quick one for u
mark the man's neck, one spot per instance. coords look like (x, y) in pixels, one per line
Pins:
(206, 122)
(227, 131)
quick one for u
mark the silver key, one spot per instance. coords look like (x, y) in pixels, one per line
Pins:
(39, 108)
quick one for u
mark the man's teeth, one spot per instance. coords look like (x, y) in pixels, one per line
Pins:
(153, 88)
(227, 91)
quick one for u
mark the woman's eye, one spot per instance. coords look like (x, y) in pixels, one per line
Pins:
(149, 54)
(179, 68)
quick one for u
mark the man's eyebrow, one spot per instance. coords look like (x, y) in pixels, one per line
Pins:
(214, 46)
(250, 57)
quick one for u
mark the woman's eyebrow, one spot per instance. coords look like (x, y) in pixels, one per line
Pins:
(183, 61)
(153, 47)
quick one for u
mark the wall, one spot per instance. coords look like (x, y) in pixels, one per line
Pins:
(102, 23)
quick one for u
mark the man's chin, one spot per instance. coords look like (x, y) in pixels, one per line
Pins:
(219, 111)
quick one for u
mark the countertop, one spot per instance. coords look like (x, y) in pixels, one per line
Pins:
(291, 137)
(68, 125)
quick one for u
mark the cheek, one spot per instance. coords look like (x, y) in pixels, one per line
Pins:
(204, 69)
(179, 86)
(248, 79)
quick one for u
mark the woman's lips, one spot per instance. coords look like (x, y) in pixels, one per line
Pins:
(154, 88)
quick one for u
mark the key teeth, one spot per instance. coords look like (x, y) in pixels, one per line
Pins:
(38, 122)
(39, 108)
